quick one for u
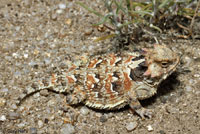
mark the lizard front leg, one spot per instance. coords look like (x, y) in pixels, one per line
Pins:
(137, 107)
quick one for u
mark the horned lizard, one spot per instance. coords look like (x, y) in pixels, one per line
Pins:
(111, 81)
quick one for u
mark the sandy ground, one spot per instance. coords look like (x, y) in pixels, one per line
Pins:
(37, 35)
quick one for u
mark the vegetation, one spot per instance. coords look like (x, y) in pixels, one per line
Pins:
(130, 20)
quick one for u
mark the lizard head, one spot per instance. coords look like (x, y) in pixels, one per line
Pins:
(161, 61)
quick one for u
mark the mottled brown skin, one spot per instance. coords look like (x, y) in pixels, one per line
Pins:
(112, 81)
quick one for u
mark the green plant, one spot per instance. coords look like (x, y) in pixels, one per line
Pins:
(124, 17)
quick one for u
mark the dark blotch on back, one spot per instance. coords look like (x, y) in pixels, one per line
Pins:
(95, 86)
(116, 86)
(79, 79)
(97, 76)
(98, 65)
(116, 74)
(138, 58)
(118, 62)
(137, 73)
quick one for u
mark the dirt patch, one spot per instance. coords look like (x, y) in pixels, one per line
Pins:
(39, 35)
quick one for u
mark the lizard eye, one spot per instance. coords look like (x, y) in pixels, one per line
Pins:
(164, 64)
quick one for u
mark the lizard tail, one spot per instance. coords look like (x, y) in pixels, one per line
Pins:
(55, 83)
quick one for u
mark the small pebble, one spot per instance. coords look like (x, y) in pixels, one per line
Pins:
(4, 90)
(88, 31)
(84, 110)
(131, 126)
(164, 99)
(14, 106)
(59, 11)
(188, 88)
(44, 92)
(191, 81)
(91, 47)
(15, 55)
(162, 132)
(36, 95)
(62, 6)
(40, 124)
(103, 118)
(17, 28)
(187, 60)
(98, 115)
(51, 102)
(196, 75)
(47, 61)
(172, 110)
(25, 56)
(110, 115)
(68, 21)
(21, 125)
(149, 128)
(67, 129)
(2, 102)
(54, 16)
(13, 115)
(32, 63)
(2, 118)
(33, 130)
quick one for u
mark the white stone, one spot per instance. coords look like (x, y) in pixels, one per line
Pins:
(40, 124)
(59, 11)
(25, 55)
(188, 88)
(67, 129)
(149, 128)
(62, 6)
(2, 118)
(84, 110)
(2, 102)
(131, 126)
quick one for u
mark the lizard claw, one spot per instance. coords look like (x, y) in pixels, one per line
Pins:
(142, 112)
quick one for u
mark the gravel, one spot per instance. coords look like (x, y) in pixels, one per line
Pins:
(88, 31)
(44, 92)
(84, 110)
(38, 35)
(13, 115)
(98, 114)
(149, 128)
(67, 129)
(2, 118)
(4, 90)
(162, 132)
(33, 130)
(188, 88)
(40, 124)
(103, 118)
(21, 125)
(131, 126)
(2, 102)
(62, 6)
